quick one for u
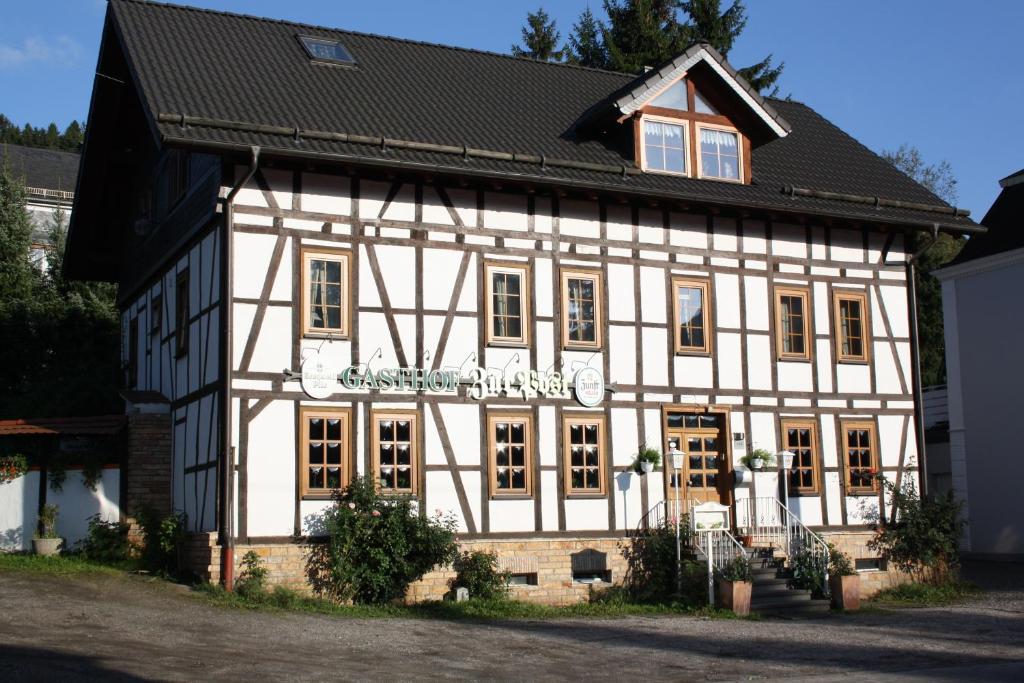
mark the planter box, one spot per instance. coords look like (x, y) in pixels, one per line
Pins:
(46, 547)
(845, 592)
(735, 596)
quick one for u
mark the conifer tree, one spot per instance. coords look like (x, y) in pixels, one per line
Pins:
(586, 44)
(540, 38)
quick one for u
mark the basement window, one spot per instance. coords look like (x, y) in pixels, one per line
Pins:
(585, 576)
(870, 564)
(526, 579)
(326, 50)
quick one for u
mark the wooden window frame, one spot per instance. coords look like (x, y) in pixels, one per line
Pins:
(182, 313)
(740, 163)
(156, 314)
(574, 272)
(414, 459)
(805, 294)
(523, 269)
(344, 256)
(691, 283)
(569, 419)
(347, 461)
(872, 429)
(804, 423)
(642, 147)
(861, 297)
(492, 456)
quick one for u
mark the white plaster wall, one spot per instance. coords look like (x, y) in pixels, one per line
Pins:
(19, 501)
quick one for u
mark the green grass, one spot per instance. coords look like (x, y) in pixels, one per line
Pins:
(282, 599)
(925, 595)
(58, 565)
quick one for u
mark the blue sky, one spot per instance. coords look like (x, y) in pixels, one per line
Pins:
(916, 71)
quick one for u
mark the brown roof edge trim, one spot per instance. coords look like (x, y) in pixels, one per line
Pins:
(297, 134)
(242, 148)
(876, 201)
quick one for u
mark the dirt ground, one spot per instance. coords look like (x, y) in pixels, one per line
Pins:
(117, 628)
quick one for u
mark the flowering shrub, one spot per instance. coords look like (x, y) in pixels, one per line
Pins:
(12, 467)
(377, 546)
(478, 572)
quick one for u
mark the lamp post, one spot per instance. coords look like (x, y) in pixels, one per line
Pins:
(787, 464)
(677, 467)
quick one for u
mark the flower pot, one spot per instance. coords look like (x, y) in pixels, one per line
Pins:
(742, 475)
(756, 463)
(646, 467)
(845, 592)
(47, 547)
(735, 596)
(747, 541)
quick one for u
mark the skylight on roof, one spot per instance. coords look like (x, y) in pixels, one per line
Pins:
(326, 50)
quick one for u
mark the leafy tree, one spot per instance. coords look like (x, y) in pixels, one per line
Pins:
(940, 180)
(540, 38)
(586, 43)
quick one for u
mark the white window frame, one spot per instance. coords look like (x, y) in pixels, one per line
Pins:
(700, 155)
(684, 124)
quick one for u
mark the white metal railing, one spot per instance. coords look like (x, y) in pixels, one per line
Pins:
(768, 522)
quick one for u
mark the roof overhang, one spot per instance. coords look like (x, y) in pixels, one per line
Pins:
(982, 264)
(652, 83)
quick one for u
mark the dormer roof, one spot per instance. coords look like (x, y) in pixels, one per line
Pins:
(649, 85)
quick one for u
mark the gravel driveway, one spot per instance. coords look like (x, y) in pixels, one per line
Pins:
(126, 628)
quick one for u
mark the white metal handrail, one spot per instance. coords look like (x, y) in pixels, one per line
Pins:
(768, 522)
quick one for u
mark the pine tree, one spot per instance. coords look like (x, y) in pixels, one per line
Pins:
(641, 33)
(940, 180)
(540, 38)
(586, 45)
(72, 138)
(16, 273)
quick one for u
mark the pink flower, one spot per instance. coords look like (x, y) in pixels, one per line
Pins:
(438, 512)
(376, 513)
(351, 506)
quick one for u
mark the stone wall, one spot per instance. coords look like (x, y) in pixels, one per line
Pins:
(855, 545)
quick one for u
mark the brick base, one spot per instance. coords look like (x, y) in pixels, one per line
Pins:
(552, 561)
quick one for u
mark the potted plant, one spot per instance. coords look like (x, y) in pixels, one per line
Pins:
(734, 586)
(758, 459)
(46, 541)
(646, 460)
(843, 581)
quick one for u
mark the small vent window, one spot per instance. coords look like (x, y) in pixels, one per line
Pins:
(326, 50)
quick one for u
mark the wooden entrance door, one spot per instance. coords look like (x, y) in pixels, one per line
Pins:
(705, 473)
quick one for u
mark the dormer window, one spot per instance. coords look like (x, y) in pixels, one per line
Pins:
(719, 150)
(665, 143)
(674, 97)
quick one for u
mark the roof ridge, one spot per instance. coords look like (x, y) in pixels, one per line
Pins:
(366, 34)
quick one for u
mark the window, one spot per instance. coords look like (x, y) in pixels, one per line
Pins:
(326, 457)
(581, 309)
(860, 456)
(800, 438)
(719, 153)
(394, 451)
(792, 323)
(673, 97)
(508, 304)
(133, 353)
(664, 146)
(701, 105)
(177, 170)
(691, 323)
(326, 290)
(182, 315)
(851, 309)
(509, 438)
(156, 314)
(326, 50)
(583, 454)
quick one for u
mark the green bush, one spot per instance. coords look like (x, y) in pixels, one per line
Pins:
(377, 546)
(48, 522)
(924, 538)
(106, 541)
(478, 572)
(162, 537)
(253, 577)
(808, 572)
(737, 569)
(651, 568)
(839, 563)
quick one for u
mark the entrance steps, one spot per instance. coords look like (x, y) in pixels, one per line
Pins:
(771, 593)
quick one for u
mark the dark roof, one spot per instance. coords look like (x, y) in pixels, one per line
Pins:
(238, 73)
(103, 424)
(1005, 223)
(48, 169)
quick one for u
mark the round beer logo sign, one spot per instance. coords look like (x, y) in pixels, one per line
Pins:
(319, 377)
(588, 385)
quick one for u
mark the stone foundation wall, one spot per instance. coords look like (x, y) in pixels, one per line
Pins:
(855, 545)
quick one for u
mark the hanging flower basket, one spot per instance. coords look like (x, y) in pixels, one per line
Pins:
(12, 467)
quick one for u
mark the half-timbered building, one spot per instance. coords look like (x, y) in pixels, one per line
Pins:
(487, 281)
